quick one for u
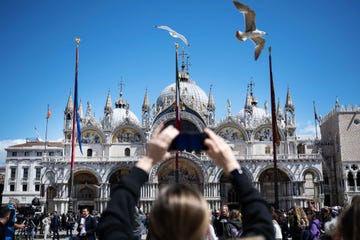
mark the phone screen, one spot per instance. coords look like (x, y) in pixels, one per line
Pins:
(189, 142)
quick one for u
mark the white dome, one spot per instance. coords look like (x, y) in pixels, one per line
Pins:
(257, 113)
(119, 116)
(191, 94)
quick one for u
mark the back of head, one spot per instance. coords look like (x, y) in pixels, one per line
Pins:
(4, 212)
(14, 202)
(235, 215)
(349, 222)
(179, 213)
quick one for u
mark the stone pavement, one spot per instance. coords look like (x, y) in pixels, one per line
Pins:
(62, 234)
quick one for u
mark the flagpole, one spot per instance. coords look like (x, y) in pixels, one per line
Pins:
(46, 129)
(315, 119)
(177, 110)
(275, 132)
(77, 41)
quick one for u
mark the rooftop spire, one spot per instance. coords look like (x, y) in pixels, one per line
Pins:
(279, 113)
(184, 74)
(88, 110)
(69, 105)
(289, 103)
(337, 103)
(146, 103)
(108, 106)
(80, 110)
(121, 103)
(253, 99)
(211, 102)
(248, 98)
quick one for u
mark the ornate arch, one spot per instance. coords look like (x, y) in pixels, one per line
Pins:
(170, 116)
(183, 157)
(232, 132)
(129, 133)
(221, 172)
(92, 135)
(264, 133)
(84, 169)
(313, 170)
(49, 177)
(282, 169)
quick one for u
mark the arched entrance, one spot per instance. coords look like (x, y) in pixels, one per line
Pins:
(116, 176)
(189, 173)
(267, 187)
(50, 195)
(86, 190)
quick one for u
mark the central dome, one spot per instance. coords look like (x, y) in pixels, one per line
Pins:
(256, 113)
(120, 115)
(191, 94)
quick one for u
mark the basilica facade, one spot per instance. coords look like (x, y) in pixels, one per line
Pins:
(111, 147)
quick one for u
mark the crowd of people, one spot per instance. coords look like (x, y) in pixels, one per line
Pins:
(181, 212)
(13, 225)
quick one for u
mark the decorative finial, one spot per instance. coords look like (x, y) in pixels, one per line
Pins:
(77, 40)
(176, 45)
(269, 49)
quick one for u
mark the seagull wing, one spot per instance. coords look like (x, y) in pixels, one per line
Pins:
(259, 45)
(249, 16)
(174, 34)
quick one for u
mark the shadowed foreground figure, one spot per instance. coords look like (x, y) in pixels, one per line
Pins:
(180, 212)
(348, 224)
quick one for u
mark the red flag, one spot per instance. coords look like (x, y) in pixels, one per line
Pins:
(275, 130)
(48, 114)
(177, 94)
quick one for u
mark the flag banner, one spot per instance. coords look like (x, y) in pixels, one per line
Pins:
(276, 134)
(48, 114)
(177, 93)
(76, 117)
(315, 114)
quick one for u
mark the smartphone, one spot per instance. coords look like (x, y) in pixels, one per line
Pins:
(189, 141)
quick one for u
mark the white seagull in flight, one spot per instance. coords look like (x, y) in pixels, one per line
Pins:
(250, 31)
(174, 34)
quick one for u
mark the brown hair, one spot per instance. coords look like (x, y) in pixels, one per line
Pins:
(235, 215)
(301, 217)
(179, 213)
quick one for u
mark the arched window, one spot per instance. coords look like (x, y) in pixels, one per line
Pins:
(351, 182)
(267, 150)
(89, 152)
(309, 186)
(86, 193)
(301, 149)
(68, 116)
(127, 152)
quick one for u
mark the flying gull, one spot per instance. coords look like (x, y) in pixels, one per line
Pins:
(174, 34)
(250, 30)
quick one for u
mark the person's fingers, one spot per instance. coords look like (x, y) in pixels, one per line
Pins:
(212, 142)
(168, 134)
(157, 130)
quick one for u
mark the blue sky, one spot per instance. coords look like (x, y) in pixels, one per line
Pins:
(315, 53)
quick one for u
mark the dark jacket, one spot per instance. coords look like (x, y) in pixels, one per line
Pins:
(90, 228)
(116, 224)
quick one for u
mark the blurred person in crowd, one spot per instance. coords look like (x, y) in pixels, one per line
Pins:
(11, 225)
(4, 218)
